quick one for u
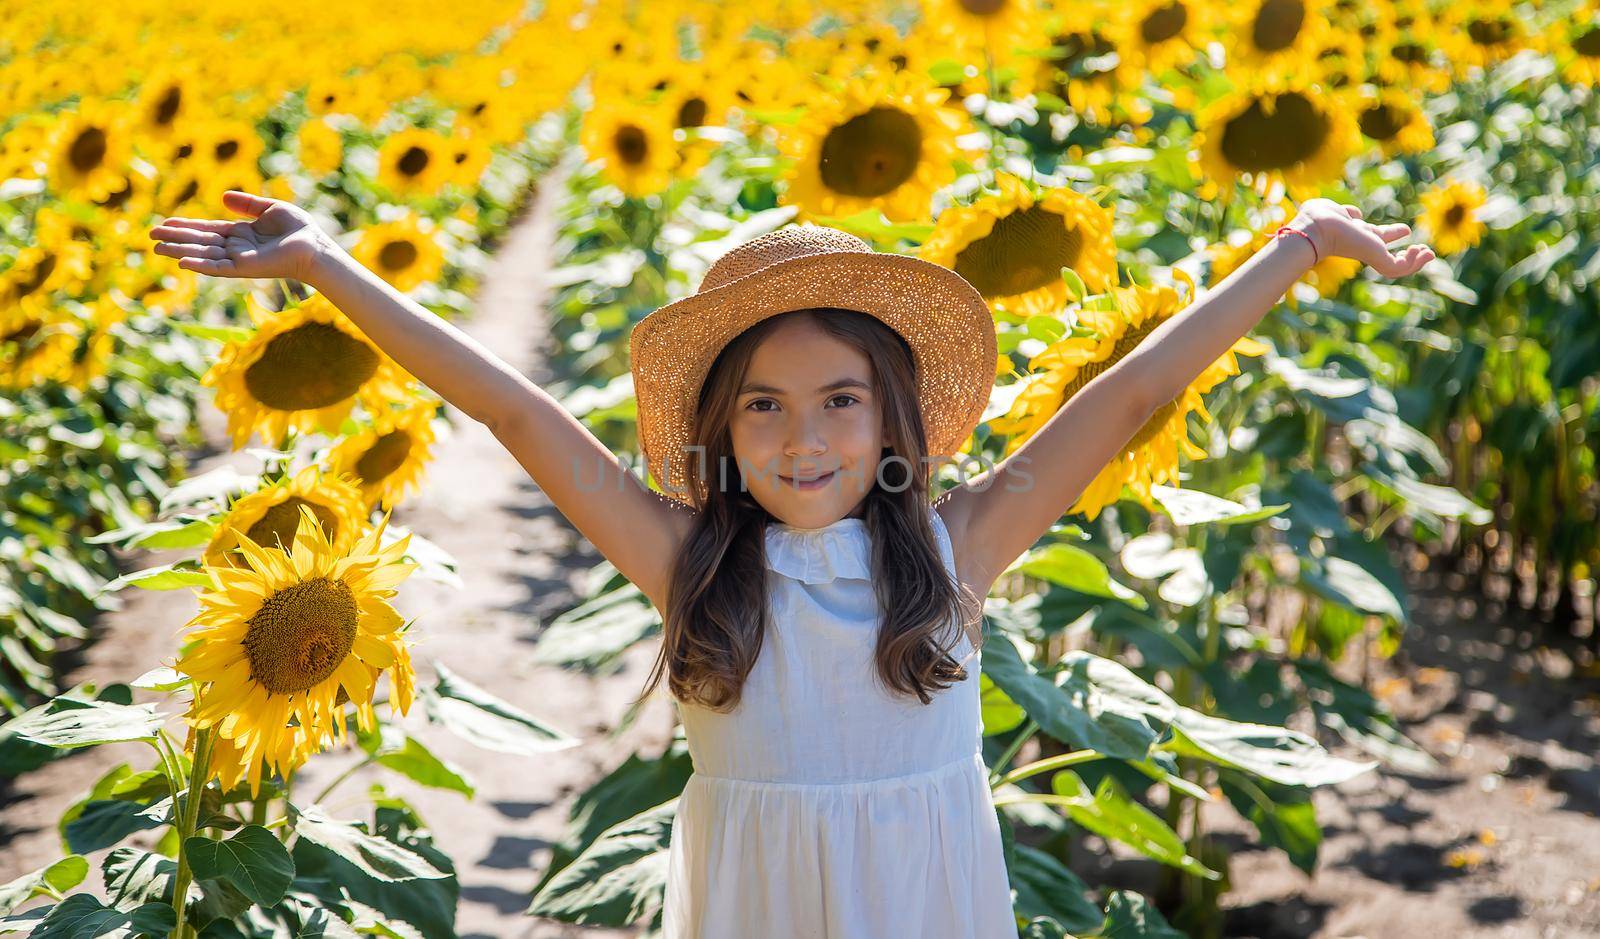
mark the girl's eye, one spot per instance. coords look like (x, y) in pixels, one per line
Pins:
(752, 405)
(849, 398)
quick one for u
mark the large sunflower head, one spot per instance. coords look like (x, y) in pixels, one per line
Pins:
(882, 141)
(388, 458)
(1121, 320)
(271, 515)
(92, 149)
(1276, 129)
(303, 370)
(1275, 35)
(281, 637)
(1012, 244)
(1449, 215)
(1395, 120)
(415, 162)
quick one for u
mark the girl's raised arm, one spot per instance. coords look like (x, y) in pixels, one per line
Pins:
(636, 529)
(999, 515)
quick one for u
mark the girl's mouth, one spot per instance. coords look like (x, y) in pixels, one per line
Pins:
(815, 483)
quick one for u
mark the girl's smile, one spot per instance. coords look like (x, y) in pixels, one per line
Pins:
(816, 482)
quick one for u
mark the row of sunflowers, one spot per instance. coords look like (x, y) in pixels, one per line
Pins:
(1046, 154)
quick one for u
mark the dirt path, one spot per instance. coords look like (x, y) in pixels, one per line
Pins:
(519, 562)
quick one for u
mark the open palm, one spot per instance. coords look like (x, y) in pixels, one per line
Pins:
(280, 240)
(1340, 231)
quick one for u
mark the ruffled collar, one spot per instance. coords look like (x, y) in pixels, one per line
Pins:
(818, 555)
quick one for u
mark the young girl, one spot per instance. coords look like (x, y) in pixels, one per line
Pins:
(821, 614)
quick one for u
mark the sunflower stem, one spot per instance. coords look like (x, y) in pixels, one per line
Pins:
(187, 822)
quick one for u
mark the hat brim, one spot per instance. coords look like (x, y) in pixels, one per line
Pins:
(942, 317)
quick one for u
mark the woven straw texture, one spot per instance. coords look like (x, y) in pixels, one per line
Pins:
(942, 317)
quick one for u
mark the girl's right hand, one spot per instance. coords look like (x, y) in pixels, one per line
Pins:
(280, 240)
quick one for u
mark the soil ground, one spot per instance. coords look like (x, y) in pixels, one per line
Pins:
(1504, 841)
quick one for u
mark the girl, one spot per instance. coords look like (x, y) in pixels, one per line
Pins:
(821, 616)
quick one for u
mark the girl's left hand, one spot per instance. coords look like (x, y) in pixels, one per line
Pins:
(1339, 231)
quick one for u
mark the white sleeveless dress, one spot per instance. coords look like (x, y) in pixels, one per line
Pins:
(821, 807)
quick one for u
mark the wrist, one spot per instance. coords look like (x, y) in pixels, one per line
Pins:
(323, 260)
(1303, 231)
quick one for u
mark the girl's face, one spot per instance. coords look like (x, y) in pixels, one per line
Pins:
(806, 411)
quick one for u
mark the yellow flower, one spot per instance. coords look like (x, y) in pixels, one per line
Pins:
(35, 346)
(1012, 245)
(1281, 128)
(93, 355)
(270, 515)
(1274, 36)
(1449, 215)
(321, 147)
(882, 142)
(277, 640)
(1121, 320)
(975, 29)
(1394, 119)
(402, 251)
(388, 458)
(91, 150)
(304, 369)
(632, 143)
(414, 162)
(1574, 41)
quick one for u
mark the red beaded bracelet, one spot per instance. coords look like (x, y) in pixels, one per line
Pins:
(1315, 254)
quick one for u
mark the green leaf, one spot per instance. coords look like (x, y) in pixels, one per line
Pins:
(1075, 289)
(419, 764)
(1275, 753)
(94, 723)
(619, 879)
(485, 720)
(1113, 815)
(82, 916)
(1284, 816)
(410, 908)
(1000, 713)
(1090, 703)
(54, 878)
(1193, 507)
(593, 636)
(871, 225)
(1045, 887)
(252, 859)
(379, 858)
(219, 332)
(1131, 916)
(1438, 501)
(1074, 568)
(1352, 585)
(172, 576)
(185, 532)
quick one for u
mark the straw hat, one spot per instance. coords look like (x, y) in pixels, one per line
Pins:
(942, 317)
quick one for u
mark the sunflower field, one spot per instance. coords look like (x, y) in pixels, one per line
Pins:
(1198, 629)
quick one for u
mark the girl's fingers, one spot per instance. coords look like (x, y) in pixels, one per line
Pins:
(173, 250)
(185, 235)
(223, 267)
(220, 226)
(1393, 231)
(244, 203)
(1354, 211)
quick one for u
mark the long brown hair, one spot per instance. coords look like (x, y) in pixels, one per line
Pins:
(717, 613)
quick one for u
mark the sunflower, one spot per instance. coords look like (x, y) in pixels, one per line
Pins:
(91, 150)
(414, 162)
(468, 156)
(1012, 245)
(984, 31)
(1276, 128)
(1161, 34)
(279, 638)
(165, 98)
(1085, 67)
(402, 251)
(1574, 41)
(1409, 54)
(1274, 36)
(35, 346)
(632, 143)
(270, 515)
(304, 369)
(883, 142)
(1122, 320)
(92, 356)
(388, 458)
(1449, 215)
(321, 147)
(1393, 119)
(1481, 34)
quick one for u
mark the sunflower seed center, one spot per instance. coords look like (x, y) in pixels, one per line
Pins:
(310, 366)
(872, 153)
(301, 634)
(276, 528)
(1024, 251)
(1164, 23)
(397, 255)
(385, 456)
(88, 150)
(632, 145)
(1293, 132)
